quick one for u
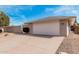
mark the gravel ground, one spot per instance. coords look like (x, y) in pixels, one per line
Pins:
(70, 44)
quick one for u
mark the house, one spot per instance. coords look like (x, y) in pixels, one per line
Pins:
(55, 25)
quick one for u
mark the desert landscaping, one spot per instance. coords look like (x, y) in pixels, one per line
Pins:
(70, 44)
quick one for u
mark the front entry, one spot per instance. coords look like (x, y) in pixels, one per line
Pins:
(63, 28)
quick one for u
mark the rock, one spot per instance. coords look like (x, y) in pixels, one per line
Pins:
(6, 35)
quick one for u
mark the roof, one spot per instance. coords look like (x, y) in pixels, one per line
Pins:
(52, 18)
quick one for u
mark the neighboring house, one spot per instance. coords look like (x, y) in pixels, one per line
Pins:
(56, 25)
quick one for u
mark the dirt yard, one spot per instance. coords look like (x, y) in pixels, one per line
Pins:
(70, 44)
(23, 43)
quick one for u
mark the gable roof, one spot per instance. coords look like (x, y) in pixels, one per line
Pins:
(52, 18)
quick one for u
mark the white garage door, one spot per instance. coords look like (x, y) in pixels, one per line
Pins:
(46, 28)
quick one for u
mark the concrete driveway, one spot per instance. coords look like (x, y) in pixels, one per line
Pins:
(17, 43)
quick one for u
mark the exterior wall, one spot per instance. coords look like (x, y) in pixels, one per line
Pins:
(14, 29)
(64, 27)
(47, 28)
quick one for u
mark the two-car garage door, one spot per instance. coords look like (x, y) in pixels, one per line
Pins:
(49, 28)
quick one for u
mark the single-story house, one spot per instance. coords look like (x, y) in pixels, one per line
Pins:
(55, 25)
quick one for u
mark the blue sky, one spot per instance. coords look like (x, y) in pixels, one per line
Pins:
(20, 14)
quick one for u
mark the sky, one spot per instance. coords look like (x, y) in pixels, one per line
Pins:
(20, 14)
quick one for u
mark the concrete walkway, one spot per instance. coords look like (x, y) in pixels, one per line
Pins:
(16, 43)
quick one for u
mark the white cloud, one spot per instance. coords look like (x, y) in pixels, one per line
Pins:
(18, 21)
(69, 10)
(65, 10)
(49, 9)
(14, 10)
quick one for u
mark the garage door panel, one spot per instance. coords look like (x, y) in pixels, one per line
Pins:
(46, 28)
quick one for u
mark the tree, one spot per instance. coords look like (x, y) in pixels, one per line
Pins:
(4, 19)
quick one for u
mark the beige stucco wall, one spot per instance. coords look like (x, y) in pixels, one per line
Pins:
(46, 28)
(64, 27)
